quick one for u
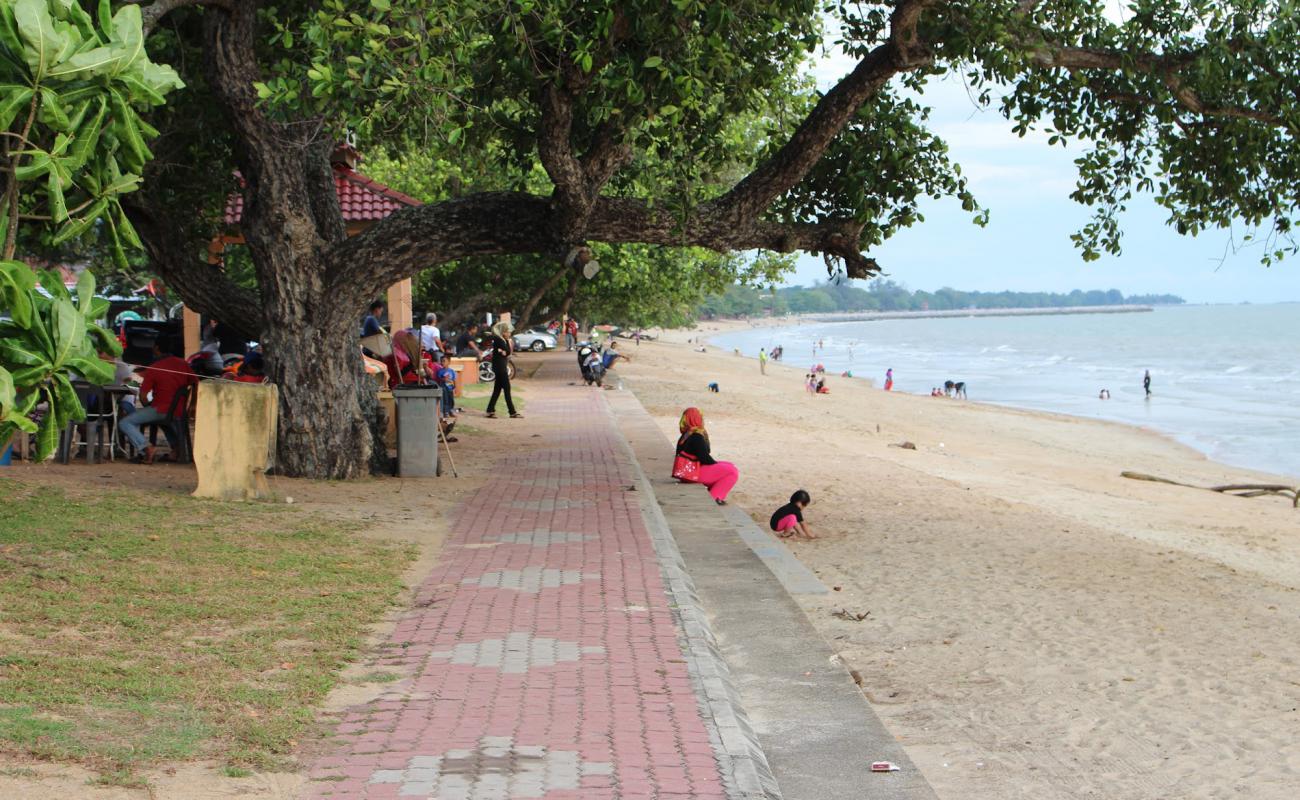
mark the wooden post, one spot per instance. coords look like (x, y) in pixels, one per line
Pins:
(400, 313)
(193, 322)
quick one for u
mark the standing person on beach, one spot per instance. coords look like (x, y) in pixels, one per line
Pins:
(693, 446)
(889, 379)
(762, 361)
(1146, 382)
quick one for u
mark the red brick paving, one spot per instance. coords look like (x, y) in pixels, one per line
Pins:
(541, 664)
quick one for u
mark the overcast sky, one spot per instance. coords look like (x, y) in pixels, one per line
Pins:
(1026, 246)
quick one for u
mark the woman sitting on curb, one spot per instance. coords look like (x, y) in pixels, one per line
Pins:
(694, 462)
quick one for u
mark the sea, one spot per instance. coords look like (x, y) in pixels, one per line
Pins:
(1225, 379)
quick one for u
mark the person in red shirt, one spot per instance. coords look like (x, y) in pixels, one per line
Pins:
(163, 379)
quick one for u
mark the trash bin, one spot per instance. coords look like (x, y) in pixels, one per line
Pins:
(417, 431)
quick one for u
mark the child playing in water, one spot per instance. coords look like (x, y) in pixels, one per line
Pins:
(788, 519)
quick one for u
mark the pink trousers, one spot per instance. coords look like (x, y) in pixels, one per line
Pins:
(719, 477)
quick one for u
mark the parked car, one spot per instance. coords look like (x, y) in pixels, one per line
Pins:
(535, 339)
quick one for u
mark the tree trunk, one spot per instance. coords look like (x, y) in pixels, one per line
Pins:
(569, 294)
(526, 315)
(291, 221)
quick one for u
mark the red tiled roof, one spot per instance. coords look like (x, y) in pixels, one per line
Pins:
(361, 199)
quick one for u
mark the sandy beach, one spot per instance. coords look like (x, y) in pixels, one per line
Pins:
(1038, 627)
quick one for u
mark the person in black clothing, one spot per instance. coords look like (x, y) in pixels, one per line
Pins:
(1146, 382)
(501, 348)
(718, 476)
(370, 325)
(465, 344)
(788, 519)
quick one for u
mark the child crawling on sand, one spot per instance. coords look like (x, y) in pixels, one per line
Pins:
(788, 519)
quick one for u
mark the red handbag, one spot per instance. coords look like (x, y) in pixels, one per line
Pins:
(686, 468)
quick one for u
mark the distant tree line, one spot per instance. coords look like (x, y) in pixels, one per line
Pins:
(886, 295)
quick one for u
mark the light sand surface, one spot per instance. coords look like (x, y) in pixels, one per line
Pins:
(1039, 627)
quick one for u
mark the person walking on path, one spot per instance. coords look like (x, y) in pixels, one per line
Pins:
(1146, 382)
(762, 361)
(718, 476)
(570, 333)
(889, 379)
(498, 342)
(163, 379)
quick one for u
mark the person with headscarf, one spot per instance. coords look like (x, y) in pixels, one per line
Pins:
(718, 476)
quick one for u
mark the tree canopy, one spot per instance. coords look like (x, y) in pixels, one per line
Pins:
(681, 124)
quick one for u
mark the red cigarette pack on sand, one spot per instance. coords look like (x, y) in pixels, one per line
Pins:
(883, 766)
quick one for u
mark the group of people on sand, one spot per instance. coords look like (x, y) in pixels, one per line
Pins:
(694, 463)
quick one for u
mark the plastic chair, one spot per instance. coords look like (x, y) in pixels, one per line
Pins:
(97, 430)
(178, 420)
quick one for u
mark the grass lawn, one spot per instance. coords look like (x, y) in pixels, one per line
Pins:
(136, 628)
(476, 396)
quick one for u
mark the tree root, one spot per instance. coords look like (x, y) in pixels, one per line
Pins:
(1291, 493)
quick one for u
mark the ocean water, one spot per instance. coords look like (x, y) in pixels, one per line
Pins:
(1224, 379)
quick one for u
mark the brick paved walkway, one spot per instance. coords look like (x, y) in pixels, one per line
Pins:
(542, 653)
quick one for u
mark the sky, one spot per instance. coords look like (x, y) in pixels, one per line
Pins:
(1025, 184)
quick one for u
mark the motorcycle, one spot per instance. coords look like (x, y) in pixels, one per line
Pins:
(488, 374)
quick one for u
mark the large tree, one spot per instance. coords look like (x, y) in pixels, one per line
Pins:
(628, 107)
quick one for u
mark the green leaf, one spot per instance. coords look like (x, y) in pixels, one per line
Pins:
(99, 307)
(16, 284)
(69, 405)
(95, 370)
(652, 62)
(103, 341)
(75, 227)
(52, 112)
(20, 352)
(54, 191)
(47, 437)
(43, 44)
(39, 164)
(13, 98)
(52, 282)
(7, 393)
(85, 290)
(126, 230)
(105, 12)
(68, 331)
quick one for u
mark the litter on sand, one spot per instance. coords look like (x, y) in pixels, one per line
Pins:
(884, 766)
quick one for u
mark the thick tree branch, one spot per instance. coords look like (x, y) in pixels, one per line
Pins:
(606, 155)
(555, 150)
(204, 287)
(1164, 67)
(154, 11)
(788, 165)
(504, 223)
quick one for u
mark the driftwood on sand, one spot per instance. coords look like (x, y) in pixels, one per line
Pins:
(1292, 493)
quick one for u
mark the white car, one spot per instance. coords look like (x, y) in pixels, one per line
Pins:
(535, 339)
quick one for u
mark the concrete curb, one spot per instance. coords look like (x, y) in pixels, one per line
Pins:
(816, 730)
(744, 767)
